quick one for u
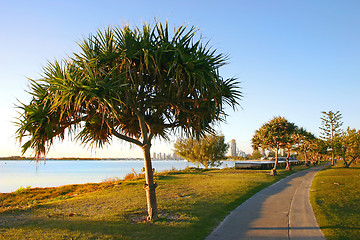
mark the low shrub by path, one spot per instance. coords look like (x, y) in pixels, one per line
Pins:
(335, 198)
(191, 203)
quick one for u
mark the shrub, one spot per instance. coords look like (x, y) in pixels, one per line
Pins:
(21, 189)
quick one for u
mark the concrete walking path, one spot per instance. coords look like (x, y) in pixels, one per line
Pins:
(280, 211)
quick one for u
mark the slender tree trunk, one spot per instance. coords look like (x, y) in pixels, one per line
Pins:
(332, 158)
(150, 185)
(319, 159)
(312, 160)
(273, 171)
(347, 164)
(288, 168)
(306, 159)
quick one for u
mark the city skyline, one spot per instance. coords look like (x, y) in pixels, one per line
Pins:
(293, 59)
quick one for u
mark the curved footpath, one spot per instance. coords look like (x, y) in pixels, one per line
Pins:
(280, 211)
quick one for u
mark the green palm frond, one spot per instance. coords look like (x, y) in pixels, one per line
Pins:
(140, 82)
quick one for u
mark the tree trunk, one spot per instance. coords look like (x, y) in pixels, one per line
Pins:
(332, 158)
(347, 164)
(273, 171)
(319, 159)
(288, 168)
(306, 160)
(150, 186)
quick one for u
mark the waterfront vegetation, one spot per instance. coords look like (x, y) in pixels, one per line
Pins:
(335, 198)
(207, 151)
(193, 202)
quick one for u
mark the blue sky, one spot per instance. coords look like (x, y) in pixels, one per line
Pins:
(293, 58)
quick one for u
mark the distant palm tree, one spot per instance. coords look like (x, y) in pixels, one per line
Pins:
(349, 146)
(133, 84)
(318, 150)
(305, 141)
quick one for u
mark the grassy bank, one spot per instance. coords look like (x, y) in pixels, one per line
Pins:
(191, 204)
(335, 198)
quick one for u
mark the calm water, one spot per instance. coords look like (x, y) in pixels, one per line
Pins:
(53, 173)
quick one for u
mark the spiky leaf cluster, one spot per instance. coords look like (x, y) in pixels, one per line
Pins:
(134, 84)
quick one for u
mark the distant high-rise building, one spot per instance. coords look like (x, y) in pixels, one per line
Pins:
(282, 152)
(241, 153)
(233, 148)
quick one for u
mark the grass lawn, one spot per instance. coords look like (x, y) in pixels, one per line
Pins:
(335, 198)
(191, 203)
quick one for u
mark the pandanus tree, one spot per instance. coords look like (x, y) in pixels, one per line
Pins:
(349, 146)
(273, 135)
(291, 142)
(133, 84)
(318, 149)
(305, 142)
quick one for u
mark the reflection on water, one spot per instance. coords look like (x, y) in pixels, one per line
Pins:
(53, 173)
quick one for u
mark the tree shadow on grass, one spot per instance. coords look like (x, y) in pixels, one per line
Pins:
(128, 225)
(191, 220)
(340, 227)
(166, 177)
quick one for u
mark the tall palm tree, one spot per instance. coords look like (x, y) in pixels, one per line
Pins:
(133, 84)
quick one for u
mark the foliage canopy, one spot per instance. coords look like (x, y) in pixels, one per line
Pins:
(331, 129)
(348, 145)
(330, 125)
(274, 135)
(134, 84)
(208, 150)
(256, 154)
(305, 142)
